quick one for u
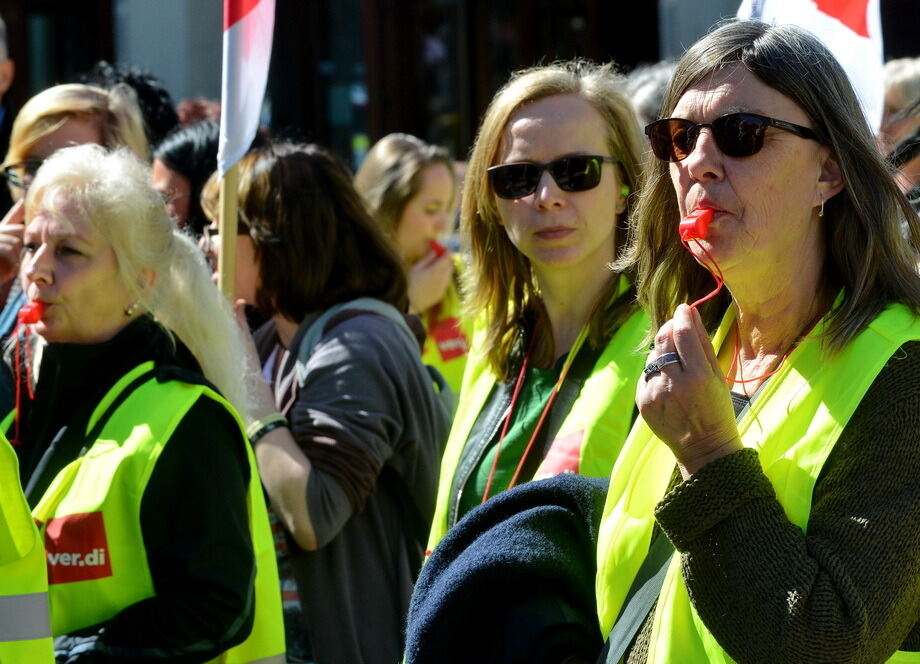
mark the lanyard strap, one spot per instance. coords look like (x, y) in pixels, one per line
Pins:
(569, 360)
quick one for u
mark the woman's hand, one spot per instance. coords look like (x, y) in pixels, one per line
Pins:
(11, 230)
(687, 404)
(428, 281)
(283, 467)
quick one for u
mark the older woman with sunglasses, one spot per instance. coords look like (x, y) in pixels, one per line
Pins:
(549, 384)
(778, 444)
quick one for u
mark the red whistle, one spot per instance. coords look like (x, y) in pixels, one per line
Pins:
(438, 248)
(695, 226)
(31, 313)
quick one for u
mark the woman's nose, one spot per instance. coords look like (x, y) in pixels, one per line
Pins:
(548, 193)
(36, 267)
(705, 160)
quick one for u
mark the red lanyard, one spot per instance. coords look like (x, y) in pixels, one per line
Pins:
(782, 360)
(579, 340)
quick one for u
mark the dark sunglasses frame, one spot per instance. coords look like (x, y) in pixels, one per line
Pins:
(530, 173)
(12, 172)
(736, 134)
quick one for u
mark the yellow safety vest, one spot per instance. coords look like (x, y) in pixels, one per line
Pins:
(97, 565)
(590, 437)
(447, 336)
(25, 626)
(794, 424)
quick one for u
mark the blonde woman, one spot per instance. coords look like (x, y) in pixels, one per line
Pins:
(550, 381)
(409, 187)
(60, 116)
(133, 454)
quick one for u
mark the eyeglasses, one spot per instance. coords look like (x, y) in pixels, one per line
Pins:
(736, 134)
(21, 174)
(575, 173)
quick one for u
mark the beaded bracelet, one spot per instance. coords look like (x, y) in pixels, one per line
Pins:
(259, 428)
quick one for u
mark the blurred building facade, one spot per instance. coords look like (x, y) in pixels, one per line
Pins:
(346, 72)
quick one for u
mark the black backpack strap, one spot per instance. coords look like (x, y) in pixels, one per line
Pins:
(639, 600)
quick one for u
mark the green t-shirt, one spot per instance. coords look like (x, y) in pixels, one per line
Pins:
(535, 392)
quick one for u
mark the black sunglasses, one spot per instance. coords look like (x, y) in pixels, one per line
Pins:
(21, 174)
(736, 134)
(575, 173)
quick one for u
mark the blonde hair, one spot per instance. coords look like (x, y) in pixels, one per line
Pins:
(500, 284)
(112, 191)
(872, 233)
(391, 175)
(115, 113)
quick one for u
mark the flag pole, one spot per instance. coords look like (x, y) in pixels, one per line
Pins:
(227, 224)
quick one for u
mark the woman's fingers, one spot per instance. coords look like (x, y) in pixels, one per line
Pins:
(687, 341)
(705, 342)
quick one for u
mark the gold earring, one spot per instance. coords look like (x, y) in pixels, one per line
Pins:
(821, 211)
(131, 310)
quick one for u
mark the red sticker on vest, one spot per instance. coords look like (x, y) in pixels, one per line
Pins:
(77, 548)
(449, 338)
(563, 456)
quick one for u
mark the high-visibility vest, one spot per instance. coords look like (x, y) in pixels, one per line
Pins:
(591, 435)
(25, 626)
(90, 515)
(794, 424)
(448, 335)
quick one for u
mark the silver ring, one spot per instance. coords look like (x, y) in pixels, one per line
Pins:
(656, 365)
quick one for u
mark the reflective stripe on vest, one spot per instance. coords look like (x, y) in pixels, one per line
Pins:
(25, 626)
(590, 436)
(794, 424)
(90, 511)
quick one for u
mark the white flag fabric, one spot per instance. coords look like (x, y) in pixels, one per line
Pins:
(851, 29)
(248, 26)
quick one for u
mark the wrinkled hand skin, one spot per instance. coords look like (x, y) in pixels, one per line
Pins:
(428, 281)
(688, 405)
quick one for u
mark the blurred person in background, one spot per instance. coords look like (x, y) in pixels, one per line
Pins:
(900, 132)
(410, 189)
(646, 86)
(353, 480)
(153, 99)
(902, 91)
(182, 164)
(134, 457)
(7, 74)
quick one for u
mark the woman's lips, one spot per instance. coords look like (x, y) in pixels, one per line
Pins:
(554, 232)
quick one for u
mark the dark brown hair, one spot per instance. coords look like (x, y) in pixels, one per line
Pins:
(315, 242)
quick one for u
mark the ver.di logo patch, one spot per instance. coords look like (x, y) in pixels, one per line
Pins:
(77, 548)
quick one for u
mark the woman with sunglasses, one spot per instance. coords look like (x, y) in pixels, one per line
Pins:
(550, 381)
(778, 446)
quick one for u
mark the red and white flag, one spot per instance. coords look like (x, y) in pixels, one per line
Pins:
(248, 26)
(851, 29)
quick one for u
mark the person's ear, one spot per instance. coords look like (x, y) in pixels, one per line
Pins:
(146, 279)
(830, 180)
(7, 73)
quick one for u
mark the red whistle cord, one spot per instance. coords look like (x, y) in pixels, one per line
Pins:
(693, 228)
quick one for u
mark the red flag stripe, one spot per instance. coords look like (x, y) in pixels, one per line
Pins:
(852, 13)
(236, 10)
